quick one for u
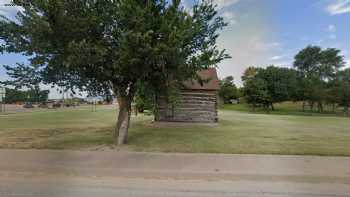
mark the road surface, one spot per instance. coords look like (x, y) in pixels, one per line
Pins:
(36, 173)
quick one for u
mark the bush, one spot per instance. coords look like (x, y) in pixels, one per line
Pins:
(56, 105)
(142, 104)
(42, 105)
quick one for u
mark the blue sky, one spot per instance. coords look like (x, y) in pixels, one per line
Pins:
(265, 32)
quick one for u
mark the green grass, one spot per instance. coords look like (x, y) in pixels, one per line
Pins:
(57, 129)
(237, 132)
(286, 108)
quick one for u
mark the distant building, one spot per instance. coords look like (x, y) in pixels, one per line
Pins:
(93, 99)
(197, 103)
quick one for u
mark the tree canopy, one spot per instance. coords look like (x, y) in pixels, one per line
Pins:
(317, 78)
(256, 92)
(119, 46)
(318, 68)
(228, 89)
(342, 89)
(32, 95)
(265, 86)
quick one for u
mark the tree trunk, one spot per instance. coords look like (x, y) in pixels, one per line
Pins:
(312, 106)
(155, 109)
(267, 108)
(121, 130)
(303, 106)
(272, 107)
(346, 110)
(320, 107)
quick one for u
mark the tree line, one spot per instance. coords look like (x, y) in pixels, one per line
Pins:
(31, 95)
(316, 78)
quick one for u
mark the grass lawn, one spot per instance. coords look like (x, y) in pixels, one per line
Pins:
(237, 132)
(288, 108)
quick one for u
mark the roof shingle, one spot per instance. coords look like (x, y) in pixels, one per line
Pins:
(210, 78)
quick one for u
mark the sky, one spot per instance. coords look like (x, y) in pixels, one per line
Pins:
(262, 32)
(266, 32)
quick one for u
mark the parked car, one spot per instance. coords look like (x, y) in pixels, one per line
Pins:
(28, 105)
(234, 101)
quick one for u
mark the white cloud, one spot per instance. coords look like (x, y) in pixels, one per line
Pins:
(186, 5)
(248, 47)
(348, 63)
(225, 3)
(320, 41)
(283, 60)
(229, 17)
(331, 28)
(277, 57)
(258, 44)
(284, 63)
(333, 36)
(338, 7)
(275, 45)
(221, 4)
(9, 11)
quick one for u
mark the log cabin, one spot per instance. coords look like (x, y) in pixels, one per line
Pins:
(198, 102)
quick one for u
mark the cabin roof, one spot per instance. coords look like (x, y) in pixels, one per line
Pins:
(210, 78)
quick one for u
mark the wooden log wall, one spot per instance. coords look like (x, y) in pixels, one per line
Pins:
(192, 106)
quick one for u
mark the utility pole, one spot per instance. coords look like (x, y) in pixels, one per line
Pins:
(94, 105)
(63, 97)
(2, 99)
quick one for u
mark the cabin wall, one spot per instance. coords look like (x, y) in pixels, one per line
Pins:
(192, 106)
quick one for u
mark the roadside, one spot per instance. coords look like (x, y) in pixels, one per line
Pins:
(177, 166)
(136, 187)
(91, 173)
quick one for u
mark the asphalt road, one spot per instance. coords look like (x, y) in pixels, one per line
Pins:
(106, 174)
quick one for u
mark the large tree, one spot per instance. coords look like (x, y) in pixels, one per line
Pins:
(228, 89)
(342, 87)
(318, 66)
(281, 83)
(114, 45)
(256, 93)
(266, 86)
(255, 89)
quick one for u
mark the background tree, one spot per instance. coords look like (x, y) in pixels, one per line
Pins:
(255, 89)
(37, 95)
(31, 95)
(228, 89)
(101, 46)
(256, 93)
(317, 67)
(13, 95)
(281, 83)
(143, 101)
(342, 81)
(333, 93)
(250, 72)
